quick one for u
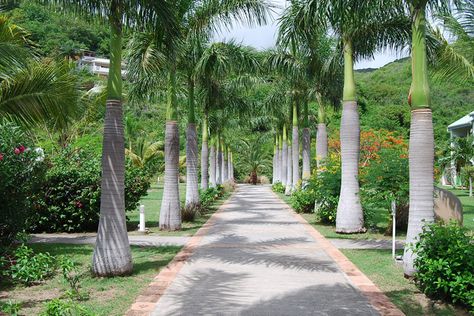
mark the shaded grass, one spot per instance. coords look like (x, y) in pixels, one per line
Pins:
(379, 266)
(381, 220)
(108, 296)
(152, 204)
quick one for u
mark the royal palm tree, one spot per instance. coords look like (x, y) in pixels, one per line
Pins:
(421, 145)
(362, 28)
(197, 21)
(112, 254)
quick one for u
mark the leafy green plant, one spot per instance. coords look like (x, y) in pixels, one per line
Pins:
(190, 212)
(385, 180)
(445, 263)
(278, 187)
(302, 200)
(70, 197)
(208, 196)
(58, 307)
(326, 186)
(20, 174)
(10, 308)
(73, 278)
(30, 268)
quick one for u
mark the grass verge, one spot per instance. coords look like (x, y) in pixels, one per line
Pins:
(379, 266)
(107, 296)
(152, 204)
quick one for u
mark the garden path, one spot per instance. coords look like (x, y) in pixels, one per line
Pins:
(257, 257)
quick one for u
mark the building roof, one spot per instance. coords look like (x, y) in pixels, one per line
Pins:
(463, 122)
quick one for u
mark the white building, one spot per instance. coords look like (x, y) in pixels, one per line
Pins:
(460, 128)
(99, 66)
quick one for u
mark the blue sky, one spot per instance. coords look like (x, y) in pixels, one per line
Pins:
(265, 36)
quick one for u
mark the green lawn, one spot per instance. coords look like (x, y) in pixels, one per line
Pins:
(381, 220)
(152, 204)
(379, 266)
(468, 206)
(108, 296)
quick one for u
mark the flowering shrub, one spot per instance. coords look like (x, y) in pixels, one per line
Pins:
(386, 180)
(445, 263)
(20, 173)
(383, 173)
(69, 200)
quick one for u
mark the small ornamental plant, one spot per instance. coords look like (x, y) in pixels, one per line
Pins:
(20, 173)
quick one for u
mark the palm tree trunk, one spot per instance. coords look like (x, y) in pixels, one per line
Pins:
(421, 150)
(274, 164)
(289, 172)
(205, 154)
(296, 157)
(229, 165)
(225, 166)
(212, 163)
(280, 157)
(321, 144)
(306, 154)
(349, 218)
(306, 144)
(170, 213)
(192, 187)
(112, 255)
(421, 162)
(284, 158)
(219, 162)
(192, 191)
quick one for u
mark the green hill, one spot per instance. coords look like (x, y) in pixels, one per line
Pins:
(383, 99)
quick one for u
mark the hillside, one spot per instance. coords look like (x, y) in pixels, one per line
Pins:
(383, 97)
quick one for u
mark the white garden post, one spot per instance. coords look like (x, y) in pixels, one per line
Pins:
(142, 219)
(394, 227)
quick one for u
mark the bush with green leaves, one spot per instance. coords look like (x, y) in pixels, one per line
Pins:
(69, 200)
(302, 200)
(59, 307)
(385, 180)
(208, 196)
(278, 187)
(10, 308)
(445, 263)
(326, 186)
(20, 172)
(27, 267)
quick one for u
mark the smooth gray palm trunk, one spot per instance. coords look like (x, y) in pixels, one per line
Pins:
(289, 172)
(274, 166)
(278, 165)
(306, 154)
(349, 218)
(229, 168)
(219, 167)
(192, 187)
(321, 144)
(204, 166)
(212, 167)
(225, 168)
(421, 164)
(296, 157)
(112, 254)
(284, 164)
(170, 213)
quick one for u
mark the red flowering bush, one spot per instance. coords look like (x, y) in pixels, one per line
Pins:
(69, 200)
(20, 175)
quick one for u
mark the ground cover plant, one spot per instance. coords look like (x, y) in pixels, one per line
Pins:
(52, 294)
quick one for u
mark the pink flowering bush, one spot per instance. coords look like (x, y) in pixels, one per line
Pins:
(20, 175)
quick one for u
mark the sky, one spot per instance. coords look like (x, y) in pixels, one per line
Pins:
(263, 37)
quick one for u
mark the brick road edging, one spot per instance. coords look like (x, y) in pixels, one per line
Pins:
(145, 303)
